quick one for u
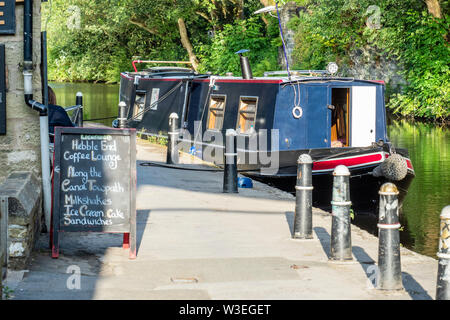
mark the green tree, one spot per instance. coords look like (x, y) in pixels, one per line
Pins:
(385, 33)
(405, 40)
(111, 32)
(220, 57)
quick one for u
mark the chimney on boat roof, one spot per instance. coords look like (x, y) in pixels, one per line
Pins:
(245, 65)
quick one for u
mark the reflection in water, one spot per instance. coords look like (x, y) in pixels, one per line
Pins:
(429, 193)
(99, 100)
(428, 145)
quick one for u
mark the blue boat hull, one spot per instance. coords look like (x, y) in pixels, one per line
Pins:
(301, 113)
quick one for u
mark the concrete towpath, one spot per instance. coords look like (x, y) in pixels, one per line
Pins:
(194, 242)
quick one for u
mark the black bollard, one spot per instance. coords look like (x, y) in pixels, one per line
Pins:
(341, 241)
(443, 279)
(79, 102)
(172, 143)
(390, 274)
(303, 199)
(230, 162)
(122, 114)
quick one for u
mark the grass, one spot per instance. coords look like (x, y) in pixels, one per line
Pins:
(152, 139)
(7, 292)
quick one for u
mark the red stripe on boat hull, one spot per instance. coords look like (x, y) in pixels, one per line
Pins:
(361, 160)
(409, 164)
(242, 81)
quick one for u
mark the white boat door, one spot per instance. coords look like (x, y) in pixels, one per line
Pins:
(363, 115)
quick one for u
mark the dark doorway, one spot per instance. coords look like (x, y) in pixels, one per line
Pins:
(339, 117)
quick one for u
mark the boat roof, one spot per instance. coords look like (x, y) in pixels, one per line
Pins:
(174, 73)
(168, 69)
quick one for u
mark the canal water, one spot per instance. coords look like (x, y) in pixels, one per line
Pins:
(428, 145)
(100, 100)
(429, 193)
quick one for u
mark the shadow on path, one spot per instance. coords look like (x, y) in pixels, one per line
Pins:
(290, 215)
(324, 238)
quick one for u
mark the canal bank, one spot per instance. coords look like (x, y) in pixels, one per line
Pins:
(195, 242)
(428, 145)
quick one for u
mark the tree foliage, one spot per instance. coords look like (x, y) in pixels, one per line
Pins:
(394, 40)
(111, 32)
(403, 42)
(219, 56)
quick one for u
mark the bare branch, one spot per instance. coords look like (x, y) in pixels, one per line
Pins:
(143, 26)
(187, 43)
(204, 15)
(434, 8)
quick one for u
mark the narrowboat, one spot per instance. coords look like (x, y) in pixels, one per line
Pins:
(277, 117)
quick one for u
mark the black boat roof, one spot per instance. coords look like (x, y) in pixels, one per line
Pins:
(168, 69)
(183, 73)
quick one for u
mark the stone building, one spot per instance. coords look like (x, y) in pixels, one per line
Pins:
(20, 164)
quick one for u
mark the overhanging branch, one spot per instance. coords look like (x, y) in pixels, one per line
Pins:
(144, 27)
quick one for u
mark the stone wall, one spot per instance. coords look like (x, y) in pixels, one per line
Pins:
(287, 12)
(24, 215)
(366, 62)
(20, 147)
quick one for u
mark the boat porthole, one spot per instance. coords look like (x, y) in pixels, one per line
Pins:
(297, 112)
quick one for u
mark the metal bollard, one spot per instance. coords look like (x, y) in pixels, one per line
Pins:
(230, 162)
(341, 241)
(79, 102)
(303, 199)
(122, 114)
(172, 143)
(390, 274)
(443, 279)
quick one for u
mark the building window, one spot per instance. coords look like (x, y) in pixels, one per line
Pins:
(139, 106)
(247, 114)
(216, 112)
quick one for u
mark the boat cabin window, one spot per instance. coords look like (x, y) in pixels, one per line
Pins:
(139, 106)
(339, 117)
(247, 114)
(216, 111)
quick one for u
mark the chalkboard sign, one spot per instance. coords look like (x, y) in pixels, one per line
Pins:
(94, 183)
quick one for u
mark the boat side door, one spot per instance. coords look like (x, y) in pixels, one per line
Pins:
(318, 117)
(363, 115)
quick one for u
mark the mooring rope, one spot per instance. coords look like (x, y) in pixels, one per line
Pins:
(167, 94)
